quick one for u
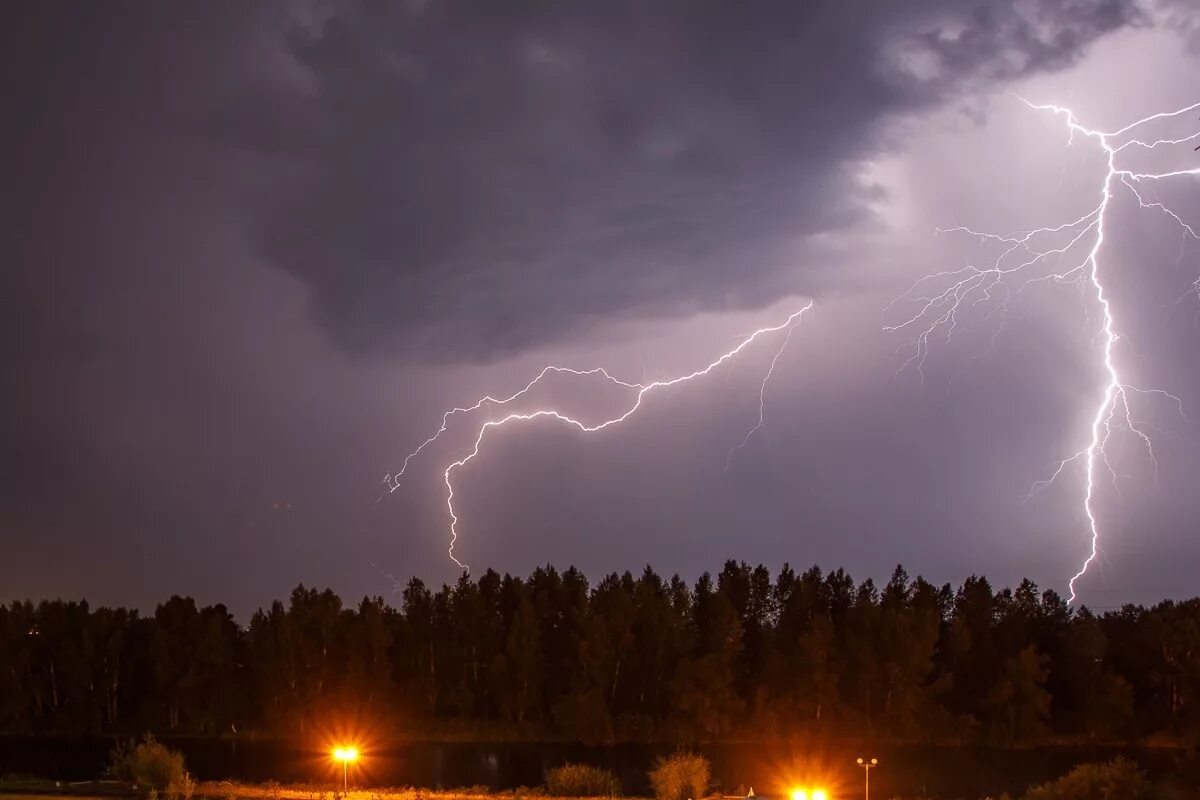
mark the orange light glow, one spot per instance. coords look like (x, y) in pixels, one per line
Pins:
(345, 754)
(808, 793)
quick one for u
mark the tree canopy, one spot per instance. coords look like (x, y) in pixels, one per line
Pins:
(745, 655)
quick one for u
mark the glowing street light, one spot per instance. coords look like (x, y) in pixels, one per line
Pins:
(867, 765)
(803, 793)
(346, 755)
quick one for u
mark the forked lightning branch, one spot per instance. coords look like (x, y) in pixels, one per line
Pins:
(943, 301)
(637, 393)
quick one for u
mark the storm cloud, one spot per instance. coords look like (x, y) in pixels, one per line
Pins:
(254, 251)
(465, 182)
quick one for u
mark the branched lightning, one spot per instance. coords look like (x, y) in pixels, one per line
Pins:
(1038, 255)
(638, 392)
(762, 399)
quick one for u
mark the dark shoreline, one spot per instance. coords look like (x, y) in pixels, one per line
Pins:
(906, 770)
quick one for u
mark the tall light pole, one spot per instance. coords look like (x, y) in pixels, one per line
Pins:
(345, 755)
(867, 765)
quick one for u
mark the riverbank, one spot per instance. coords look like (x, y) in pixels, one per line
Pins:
(274, 770)
(226, 790)
(229, 790)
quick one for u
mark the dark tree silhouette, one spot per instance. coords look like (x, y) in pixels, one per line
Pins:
(747, 655)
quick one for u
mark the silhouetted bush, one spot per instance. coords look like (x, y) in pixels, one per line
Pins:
(153, 766)
(581, 780)
(680, 777)
(1119, 779)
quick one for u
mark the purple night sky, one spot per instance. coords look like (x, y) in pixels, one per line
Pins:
(255, 251)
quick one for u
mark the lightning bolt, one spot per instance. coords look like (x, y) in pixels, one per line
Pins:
(762, 400)
(1034, 256)
(638, 392)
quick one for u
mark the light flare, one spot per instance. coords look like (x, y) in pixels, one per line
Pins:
(1025, 257)
(639, 391)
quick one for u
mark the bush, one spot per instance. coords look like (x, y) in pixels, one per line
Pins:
(151, 765)
(1119, 779)
(680, 777)
(581, 780)
(182, 789)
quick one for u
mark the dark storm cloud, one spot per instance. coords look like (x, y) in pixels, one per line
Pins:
(455, 182)
(102, 192)
(468, 180)
(133, 405)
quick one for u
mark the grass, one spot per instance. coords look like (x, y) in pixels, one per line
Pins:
(16, 789)
(243, 791)
(226, 790)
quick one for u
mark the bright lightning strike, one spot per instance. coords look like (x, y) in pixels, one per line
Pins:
(1034, 256)
(638, 392)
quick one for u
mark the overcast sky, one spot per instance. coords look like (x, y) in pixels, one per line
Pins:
(254, 251)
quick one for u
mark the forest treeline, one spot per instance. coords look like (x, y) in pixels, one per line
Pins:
(747, 655)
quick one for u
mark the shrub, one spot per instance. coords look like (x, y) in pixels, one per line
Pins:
(183, 788)
(1119, 779)
(581, 780)
(151, 765)
(680, 777)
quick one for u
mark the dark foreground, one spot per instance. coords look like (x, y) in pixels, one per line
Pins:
(918, 771)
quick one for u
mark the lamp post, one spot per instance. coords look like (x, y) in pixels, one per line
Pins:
(867, 765)
(345, 755)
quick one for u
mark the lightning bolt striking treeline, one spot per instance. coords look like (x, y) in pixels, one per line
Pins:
(638, 391)
(1033, 256)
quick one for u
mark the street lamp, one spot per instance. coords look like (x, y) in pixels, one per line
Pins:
(346, 755)
(866, 765)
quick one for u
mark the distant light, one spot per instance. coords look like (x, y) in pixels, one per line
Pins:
(800, 794)
(345, 754)
(820, 794)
